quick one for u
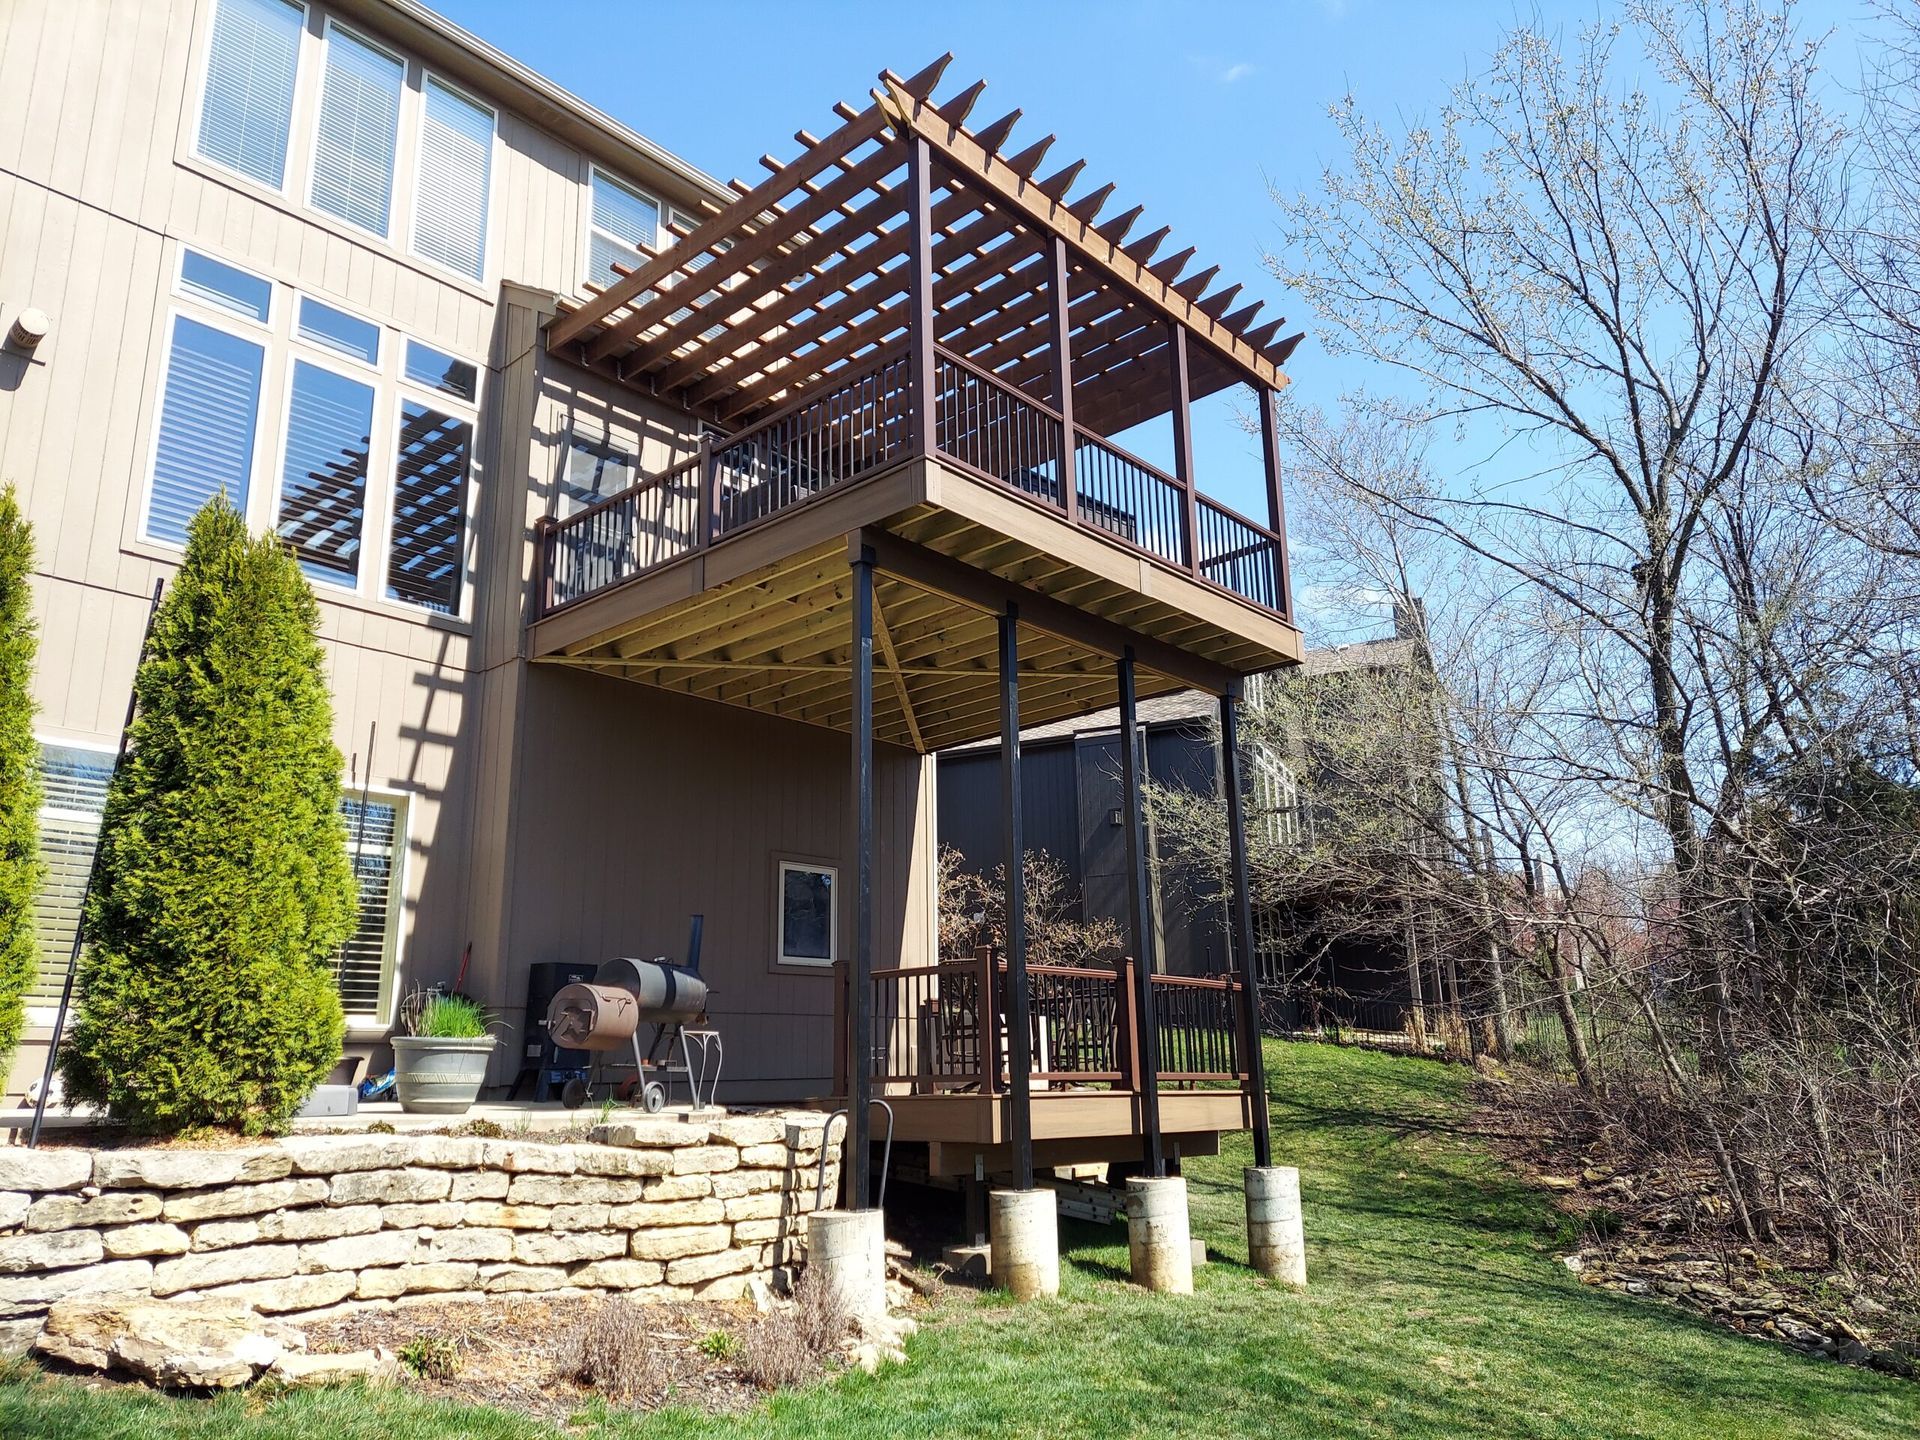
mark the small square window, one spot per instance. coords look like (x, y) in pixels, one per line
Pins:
(213, 283)
(337, 330)
(437, 371)
(808, 929)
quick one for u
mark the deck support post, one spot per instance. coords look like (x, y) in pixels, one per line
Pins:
(1254, 1059)
(920, 365)
(860, 1001)
(1019, 1008)
(1148, 1037)
(1276, 496)
(1059, 323)
(1180, 407)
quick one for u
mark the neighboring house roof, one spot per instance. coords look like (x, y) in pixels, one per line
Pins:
(1390, 653)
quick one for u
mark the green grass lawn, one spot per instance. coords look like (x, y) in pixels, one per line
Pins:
(1438, 1309)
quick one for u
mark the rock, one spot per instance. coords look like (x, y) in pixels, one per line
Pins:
(295, 1292)
(224, 1267)
(574, 1190)
(1556, 1182)
(225, 1234)
(339, 1154)
(470, 1245)
(451, 1152)
(581, 1217)
(648, 1214)
(519, 1157)
(498, 1279)
(14, 1205)
(1853, 1352)
(1801, 1333)
(760, 1292)
(733, 1185)
(745, 1130)
(247, 1199)
(357, 1252)
(325, 1224)
(70, 1212)
(680, 1187)
(1894, 1363)
(705, 1160)
(678, 1242)
(480, 1185)
(43, 1170)
(609, 1161)
(24, 1294)
(410, 1279)
(508, 1217)
(438, 1215)
(648, 1134)
(55, 1250)
(758, 1232)
(17, 1336)
(154, 1239)
(618, 1274)
(204, 1344)
(376, 1368)
(187, 1169)
(538, 1248)
(695, 1268)
(361, 1187)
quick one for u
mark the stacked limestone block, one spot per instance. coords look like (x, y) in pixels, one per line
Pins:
(649, 1208)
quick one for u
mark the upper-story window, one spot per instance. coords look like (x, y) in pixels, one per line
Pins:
(377, 119)
(625, 225)
(357, 136)
(456, 166)
(246, 111)
(373, 437)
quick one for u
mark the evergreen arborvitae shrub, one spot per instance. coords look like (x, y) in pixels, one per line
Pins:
(19, 776)
(224, 887)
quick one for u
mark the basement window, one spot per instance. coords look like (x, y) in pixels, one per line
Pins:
(808, 929)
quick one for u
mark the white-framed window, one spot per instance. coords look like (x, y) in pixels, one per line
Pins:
(623, 226)
(73, 792)
(365, 968)
(426, 543)
(808, 913)
(324, 472)
(1276, 798)
(593, 470)
(207, 424)
(453, 179)
(246, 103)
(356, 138)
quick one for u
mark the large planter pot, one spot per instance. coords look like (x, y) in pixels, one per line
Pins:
(439, 1077)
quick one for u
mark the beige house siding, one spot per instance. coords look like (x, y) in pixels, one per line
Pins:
(99, 192)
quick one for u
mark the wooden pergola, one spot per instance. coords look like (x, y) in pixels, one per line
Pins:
(815, 270)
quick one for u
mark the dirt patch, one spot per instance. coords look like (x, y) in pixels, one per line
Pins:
(524, 1353)
(1658, 1224)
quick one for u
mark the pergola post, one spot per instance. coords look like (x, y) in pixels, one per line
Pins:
(1140, 919)
(860, 1001)
(1180, 407)
(920, 292)
(1059, 296)
(1276, 497)
(1019, 1007)
(1242, 912)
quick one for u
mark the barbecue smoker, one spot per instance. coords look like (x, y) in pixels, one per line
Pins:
(605, 1014)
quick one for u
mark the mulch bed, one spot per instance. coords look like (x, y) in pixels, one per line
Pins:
(522, 1353)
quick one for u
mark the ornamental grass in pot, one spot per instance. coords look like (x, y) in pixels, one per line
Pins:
(440, 1065)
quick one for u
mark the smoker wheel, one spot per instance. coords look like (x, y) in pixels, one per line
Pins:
(654, 1097)
(574, 1093)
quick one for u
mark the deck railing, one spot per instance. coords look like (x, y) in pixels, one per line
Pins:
(866, 421)
(928, 1033)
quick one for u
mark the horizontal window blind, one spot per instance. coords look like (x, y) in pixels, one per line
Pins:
(429, 508)
(337, 330)
(73, 790)
(357, 132)
(456, 159)
(375, 832)
(625, 223)
(208, 408)
(246, 109)
(323, 485)
(212, 283)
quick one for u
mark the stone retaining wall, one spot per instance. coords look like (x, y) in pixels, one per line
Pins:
(652, 1208)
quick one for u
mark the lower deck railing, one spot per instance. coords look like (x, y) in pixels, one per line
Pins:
(866, 420)
(932, 1033)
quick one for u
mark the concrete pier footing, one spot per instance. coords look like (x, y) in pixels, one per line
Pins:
(1159, 1240)
(1276, 1239)
(848, 1248)
(1024, 1232)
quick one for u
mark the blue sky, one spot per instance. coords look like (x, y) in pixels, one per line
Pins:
(1190, 109)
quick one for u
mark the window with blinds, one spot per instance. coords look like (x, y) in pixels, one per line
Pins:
(376, 833)
(358, 131)
(209, 404)
(625, 225)
(73, 791)
(323, 483)
(450, 191)
(246, 108)
(424, 558)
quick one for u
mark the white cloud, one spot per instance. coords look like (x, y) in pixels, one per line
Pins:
(1237, 71)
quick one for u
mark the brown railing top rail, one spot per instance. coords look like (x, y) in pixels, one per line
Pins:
(1234, 515)
(996, 381)
(639, 487)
